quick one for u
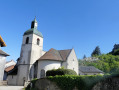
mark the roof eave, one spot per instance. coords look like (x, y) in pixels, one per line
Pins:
(3, 43)
(48, 59)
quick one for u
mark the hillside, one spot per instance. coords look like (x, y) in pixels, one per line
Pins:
(107, 63)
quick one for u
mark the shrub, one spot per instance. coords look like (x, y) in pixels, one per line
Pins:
(60, 71)
(69, 82)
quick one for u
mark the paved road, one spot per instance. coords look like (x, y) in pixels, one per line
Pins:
(11, 87)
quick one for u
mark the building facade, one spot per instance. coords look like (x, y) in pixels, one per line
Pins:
(3, 56)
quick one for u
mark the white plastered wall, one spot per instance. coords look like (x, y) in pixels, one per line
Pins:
(71, 62)
(12, 79)
(29, 54)
(22, 74)
(26, 50)
(36, 51)
(24, 60)
(47, 65)
(2, 66)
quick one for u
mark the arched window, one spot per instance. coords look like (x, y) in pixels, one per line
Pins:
(27, 40)
(38, 41)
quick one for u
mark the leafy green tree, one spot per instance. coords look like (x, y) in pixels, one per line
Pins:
(96, 52)
(116, 52)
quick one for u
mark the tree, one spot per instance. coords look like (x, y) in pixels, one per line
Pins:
(115, 50)
(84, 56)
(96, 52)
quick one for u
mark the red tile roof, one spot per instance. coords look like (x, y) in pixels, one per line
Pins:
(65, 53)
(9, 68)
(52, 54)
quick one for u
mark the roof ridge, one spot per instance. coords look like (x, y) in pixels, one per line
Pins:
(64, 49)
(60, 54)
(10, 61)
(10, 66)
(69, 53)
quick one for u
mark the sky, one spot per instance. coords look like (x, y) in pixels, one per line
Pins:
(65, 24)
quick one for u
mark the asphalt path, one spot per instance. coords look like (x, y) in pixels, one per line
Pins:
(11, 87)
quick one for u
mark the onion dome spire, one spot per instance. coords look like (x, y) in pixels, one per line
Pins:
(34, 23)
(33, 29)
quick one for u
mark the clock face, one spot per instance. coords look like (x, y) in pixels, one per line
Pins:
(36, 24)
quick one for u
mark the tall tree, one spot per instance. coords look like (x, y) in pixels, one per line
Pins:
(96, 52)
(84, 56)
(115, 50)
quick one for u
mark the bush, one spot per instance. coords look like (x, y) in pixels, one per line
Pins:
(60, 71)
(69, 82)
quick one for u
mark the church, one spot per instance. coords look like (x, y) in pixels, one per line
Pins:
(34, 61)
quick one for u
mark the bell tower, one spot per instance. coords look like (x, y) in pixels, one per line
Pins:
(31, 50)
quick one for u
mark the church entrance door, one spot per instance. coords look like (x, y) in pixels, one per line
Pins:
(42, 75)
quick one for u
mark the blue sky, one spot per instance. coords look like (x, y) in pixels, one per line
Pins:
(81, 24)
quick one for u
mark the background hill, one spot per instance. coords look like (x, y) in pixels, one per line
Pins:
(108, 63)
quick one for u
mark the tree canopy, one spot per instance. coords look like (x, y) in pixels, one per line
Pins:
(96, 52)
(115, 50)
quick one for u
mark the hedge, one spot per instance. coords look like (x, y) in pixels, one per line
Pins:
(60, 71)
(68, 82)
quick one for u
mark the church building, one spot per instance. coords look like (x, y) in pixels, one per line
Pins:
(34, 61)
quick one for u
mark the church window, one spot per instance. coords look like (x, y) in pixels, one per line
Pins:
(27, 40)
(38, 41)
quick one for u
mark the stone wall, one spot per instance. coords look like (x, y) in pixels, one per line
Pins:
(3, 83)
(110, 83)
(44, 84)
